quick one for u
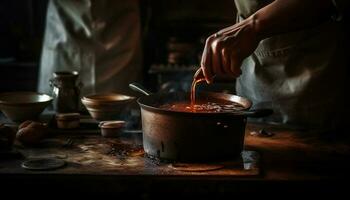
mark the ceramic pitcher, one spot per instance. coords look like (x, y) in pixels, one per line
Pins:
(66, 91)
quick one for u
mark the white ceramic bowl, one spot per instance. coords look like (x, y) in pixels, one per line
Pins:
(21, 106)
(106, 106)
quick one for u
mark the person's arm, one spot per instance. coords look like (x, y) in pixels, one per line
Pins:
(290, 15)
(224, 51)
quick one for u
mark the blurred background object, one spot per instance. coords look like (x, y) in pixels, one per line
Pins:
(174, 32)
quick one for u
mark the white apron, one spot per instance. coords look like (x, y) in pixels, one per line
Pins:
(300, 75)
(98, 38)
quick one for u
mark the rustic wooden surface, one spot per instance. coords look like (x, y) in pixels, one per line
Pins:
(95, 155)
(93, 160)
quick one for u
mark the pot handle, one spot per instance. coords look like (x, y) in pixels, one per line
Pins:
(256, 113)
(137, 87)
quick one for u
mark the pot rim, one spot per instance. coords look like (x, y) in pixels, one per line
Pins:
(165, 111)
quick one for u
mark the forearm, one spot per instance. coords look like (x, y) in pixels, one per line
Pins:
(290, 15)
(225, 50)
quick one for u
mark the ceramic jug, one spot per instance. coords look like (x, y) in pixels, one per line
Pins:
(65, 91)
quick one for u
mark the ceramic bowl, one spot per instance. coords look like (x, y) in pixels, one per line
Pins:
(21, 106)
(111, 128)
(106, 106)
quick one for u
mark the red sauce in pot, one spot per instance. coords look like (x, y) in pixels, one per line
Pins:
(203, 107)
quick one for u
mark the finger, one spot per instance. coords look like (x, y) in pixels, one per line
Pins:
(226, 53)
(236, 66)
(216, 58)
(206, 63)
(237, 55)
(226, 61)
(199, 74)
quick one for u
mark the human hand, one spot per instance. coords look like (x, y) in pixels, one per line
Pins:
(225, 50)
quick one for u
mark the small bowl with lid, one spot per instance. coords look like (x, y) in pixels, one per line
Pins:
(111, 128)
(68, 120)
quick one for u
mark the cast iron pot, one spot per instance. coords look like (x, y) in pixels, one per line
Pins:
(193, 137)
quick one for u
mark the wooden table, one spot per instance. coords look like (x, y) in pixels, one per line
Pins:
(290, 161)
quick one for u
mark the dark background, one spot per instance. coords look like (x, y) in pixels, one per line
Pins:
(22, 24)
(21, 34)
